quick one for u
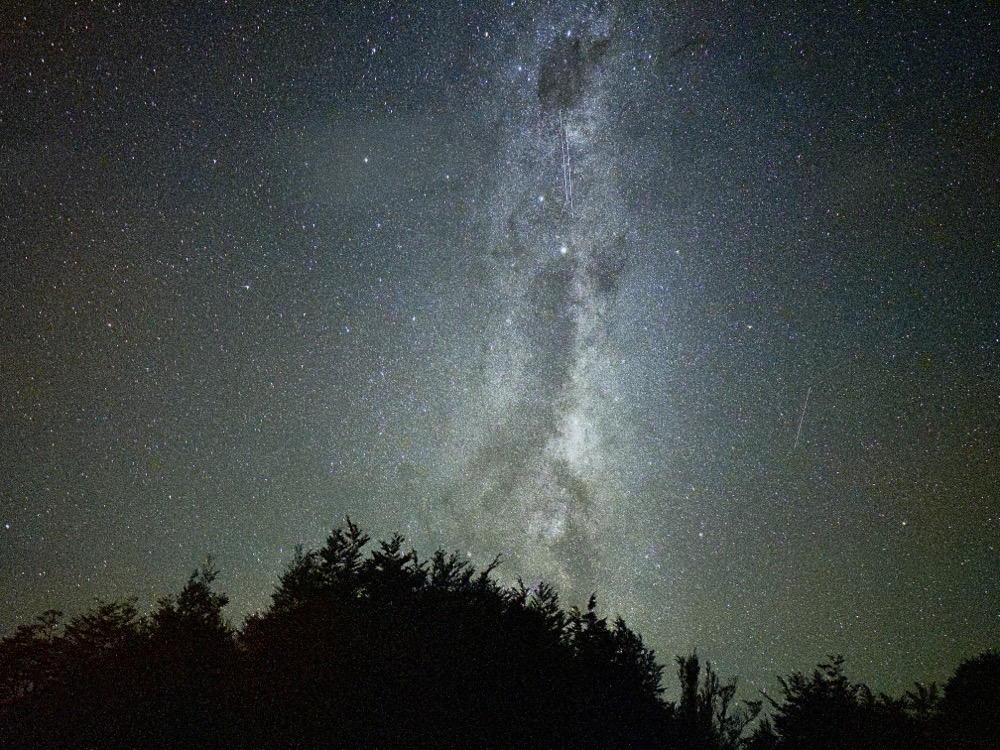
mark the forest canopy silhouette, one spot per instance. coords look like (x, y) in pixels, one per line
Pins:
(370, 646)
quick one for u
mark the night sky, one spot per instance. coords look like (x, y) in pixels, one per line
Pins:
(693, 305)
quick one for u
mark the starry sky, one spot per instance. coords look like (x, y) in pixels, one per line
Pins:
(690, 304)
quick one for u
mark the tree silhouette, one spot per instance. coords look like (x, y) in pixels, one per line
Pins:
(106, 628)
(190, 648)
(375, 647)
(333, 570)
(969, 711)
(30, 659)
(66, 687)
(387, 645)
(826, 711)
(707, 715)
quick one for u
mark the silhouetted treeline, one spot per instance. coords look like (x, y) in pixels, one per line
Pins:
(373, 647)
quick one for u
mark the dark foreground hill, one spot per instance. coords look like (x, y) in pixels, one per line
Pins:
(376, 648)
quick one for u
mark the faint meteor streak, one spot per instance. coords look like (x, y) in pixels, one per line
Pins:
(567, 166)
(802, 417)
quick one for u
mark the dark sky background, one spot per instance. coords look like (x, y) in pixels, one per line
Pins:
(691, 304)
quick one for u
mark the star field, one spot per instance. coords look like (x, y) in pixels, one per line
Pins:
(692, 306)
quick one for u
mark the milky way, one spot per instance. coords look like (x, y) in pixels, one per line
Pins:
(543, 482)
